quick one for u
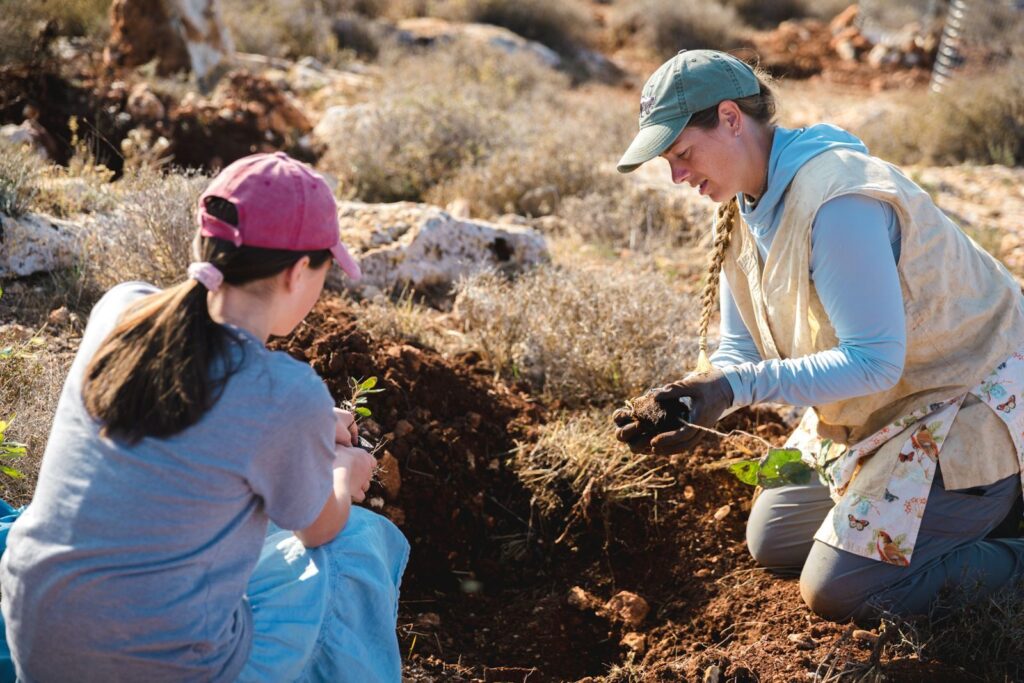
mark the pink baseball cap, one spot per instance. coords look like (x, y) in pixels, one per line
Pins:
(282, 204)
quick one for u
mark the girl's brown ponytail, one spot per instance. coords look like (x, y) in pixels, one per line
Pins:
(725, 222)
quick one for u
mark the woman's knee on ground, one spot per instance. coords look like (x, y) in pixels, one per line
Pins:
(781, 527)
(839, 586)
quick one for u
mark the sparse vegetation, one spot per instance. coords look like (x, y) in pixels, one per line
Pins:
(975, 119)
(587, 336)
(20, 168)
(663, 27)
(574, 465)
(281, 28)
(147, 238)
(22, 24)
(444, 112)
(562, 26)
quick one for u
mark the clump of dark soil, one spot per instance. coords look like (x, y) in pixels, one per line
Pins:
(657, 417)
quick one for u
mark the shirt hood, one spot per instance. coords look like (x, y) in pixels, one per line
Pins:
(791, 149)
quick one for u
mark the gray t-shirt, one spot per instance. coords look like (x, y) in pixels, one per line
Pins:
(131, 562)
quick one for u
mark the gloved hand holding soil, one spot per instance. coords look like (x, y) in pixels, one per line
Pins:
(660, 420)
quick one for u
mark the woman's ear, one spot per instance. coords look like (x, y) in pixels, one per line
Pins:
(730, 116)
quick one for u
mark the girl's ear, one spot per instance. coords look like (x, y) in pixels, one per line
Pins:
(294, 273)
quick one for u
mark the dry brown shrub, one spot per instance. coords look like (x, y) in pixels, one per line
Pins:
(663, 27)
(576, 464)
(562, 26)
(148, 237)
(441, 112)
(406, 319)
(586, 336)
(504, 181)
(976, 120)
(642, 219)
(282, 28)
(20, 171)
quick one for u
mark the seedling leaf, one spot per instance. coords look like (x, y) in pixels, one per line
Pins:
(779, 467)
(362, 411)
(745, 471)
(368, 383)
(11, 472)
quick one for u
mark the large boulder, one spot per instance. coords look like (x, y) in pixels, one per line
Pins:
(35, 243)
(422, 247)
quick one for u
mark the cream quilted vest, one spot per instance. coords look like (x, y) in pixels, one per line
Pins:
(963, 309)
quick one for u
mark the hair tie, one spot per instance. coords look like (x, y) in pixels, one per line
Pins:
(206, 274)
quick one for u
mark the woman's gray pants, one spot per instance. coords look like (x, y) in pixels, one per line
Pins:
(953, 547)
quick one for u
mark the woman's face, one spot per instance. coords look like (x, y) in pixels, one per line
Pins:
(711, 160)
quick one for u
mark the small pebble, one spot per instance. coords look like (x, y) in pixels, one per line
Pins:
(801, 640)
(865, 636)
(688, 492)
(722, 512)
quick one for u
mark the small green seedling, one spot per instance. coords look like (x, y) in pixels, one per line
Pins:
(360, 389)
(10, 449)
(779, 467)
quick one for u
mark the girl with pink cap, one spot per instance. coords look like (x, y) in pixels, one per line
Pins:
(193, 519)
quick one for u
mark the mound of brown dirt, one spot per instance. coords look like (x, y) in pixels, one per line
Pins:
(666, 584)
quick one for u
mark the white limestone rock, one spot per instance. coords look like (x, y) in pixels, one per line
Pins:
(36, 243)
(425, 248)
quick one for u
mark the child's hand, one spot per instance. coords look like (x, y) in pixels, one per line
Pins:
(359, 465)
(346, 432)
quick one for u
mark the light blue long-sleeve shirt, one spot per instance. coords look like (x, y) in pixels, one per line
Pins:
(855, 246)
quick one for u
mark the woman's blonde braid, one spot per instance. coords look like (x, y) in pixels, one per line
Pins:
(724, 224)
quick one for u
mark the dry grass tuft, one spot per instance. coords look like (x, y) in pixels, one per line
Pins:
(981, 634)
(32, 372)
(442, 111)
(976, 120)
(576, 464)
(587, 336)
(405, 319)
(290, 29)
(20, 169)
(637, 218)
(663, 27)
(147, 238)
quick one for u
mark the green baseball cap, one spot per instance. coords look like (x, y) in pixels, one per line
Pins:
(691, 81)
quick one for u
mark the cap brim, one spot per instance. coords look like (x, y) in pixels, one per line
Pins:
(347, 263)
(651, 141)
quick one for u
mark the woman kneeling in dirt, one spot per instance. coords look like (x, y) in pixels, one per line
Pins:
(155, 547)
(845, 288)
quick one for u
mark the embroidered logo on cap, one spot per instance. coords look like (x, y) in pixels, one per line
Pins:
(646, 105)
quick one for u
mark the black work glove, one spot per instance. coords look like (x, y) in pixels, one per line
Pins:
(710, 396)
(629, 431)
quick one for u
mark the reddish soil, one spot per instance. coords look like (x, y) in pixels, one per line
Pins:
(486, 596)
(244, 114)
